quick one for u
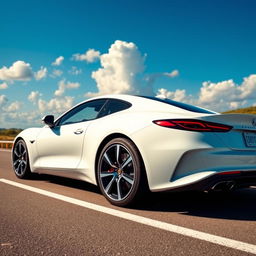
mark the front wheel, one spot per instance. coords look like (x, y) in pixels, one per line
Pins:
(20, 160)
(119, 172)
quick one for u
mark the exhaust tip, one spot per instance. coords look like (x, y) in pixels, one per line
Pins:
(224, 186)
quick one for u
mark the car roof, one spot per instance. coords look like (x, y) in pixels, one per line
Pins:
(148, 103)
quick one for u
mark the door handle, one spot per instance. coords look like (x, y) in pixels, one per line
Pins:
(78, 131)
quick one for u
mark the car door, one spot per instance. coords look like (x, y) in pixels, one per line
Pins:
(61, 146)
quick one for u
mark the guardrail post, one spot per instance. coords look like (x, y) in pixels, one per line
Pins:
(6, 144)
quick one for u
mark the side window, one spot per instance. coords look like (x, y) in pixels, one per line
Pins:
(83, 112)
(113, 106)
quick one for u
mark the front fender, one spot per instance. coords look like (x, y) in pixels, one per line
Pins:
(30, 136)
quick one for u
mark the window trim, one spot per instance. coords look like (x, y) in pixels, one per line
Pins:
(181, 105)
(129, 104)
(57, 122)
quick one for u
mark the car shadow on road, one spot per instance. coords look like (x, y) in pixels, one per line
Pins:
(235, 205)
(67, 182)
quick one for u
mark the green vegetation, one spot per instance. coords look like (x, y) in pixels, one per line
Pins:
(249, 110)
(9, 134)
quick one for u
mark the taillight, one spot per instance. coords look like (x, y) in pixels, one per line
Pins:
(229, 173)
(193, 125)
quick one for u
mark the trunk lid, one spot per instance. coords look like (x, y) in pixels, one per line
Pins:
(243, 134)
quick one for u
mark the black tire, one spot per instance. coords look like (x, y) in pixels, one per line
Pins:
(120, 172)
(20, 160)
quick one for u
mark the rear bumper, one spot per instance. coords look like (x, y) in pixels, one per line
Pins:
(220, 182)
(203, 169)
(214, 160)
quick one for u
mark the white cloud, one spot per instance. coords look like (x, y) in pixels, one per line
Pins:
(121, 70)
(14, 106)
(212, 92)
(63, 85)
(233, 105)
(19, 70)
(12, 117)
(3, 86)
(22, 119)
(218, 104)
(152, 77)
(248, 87)
(33, 96)
(218, 96)
(58, 61)
(55, 105)
(56, 73)
(75, 71)
(90, 56)
(120, 67)
(227, 94)
(3, 100)
(174, 73)
(41, 73)
(178, 95)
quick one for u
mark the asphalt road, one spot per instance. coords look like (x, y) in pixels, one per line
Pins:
(34, 224)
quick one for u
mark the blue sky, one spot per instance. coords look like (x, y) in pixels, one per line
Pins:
(200, 52)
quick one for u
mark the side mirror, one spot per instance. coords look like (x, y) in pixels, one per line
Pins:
(49, 120)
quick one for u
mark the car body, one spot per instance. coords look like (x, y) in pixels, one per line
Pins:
(127, 144)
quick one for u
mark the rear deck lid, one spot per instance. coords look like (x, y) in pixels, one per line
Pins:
(243, 134)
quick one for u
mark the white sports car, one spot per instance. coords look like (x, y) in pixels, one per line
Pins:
(127, 144)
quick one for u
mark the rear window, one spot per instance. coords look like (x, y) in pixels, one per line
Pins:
(113, 106)
(180, 105)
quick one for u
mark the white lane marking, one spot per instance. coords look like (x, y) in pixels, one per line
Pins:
(234, 244)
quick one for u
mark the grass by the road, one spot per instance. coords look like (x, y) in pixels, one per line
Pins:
(250, 110)
(9, 134)
(4, 137)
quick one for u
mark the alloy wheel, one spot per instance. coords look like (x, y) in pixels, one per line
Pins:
(117, 172)
(20, 159)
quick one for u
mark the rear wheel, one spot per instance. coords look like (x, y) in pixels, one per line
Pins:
(119, 172)
(20, 160)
